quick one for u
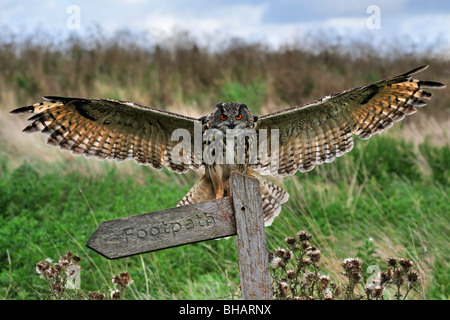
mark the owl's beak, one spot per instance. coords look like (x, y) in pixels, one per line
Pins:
(231, 124)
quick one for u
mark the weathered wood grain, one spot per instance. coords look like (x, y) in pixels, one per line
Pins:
(251, 238)
(164, 229)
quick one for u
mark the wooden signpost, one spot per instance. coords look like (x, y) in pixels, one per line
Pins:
(240, 215)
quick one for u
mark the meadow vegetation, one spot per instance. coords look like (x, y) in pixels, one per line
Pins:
(387, 198)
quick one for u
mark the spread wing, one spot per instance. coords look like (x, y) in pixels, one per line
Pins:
(322, 130)
(110, 129)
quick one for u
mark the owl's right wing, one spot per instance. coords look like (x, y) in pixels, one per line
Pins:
(111, 129)
(322, 130)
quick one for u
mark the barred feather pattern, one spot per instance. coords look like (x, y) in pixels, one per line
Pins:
(323, 130)
(110, 129)
(272, 196)
(203, 190)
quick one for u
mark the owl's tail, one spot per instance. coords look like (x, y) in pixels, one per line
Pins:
(272, 196)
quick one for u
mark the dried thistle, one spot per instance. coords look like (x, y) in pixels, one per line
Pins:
(353, 271)
(123, 280)
(115, 294)
(288, 255)
(401, 275)
(42, 267)
(57, 274)
(397, 277)
(385, 276)
(290, 241)
(413, 276)
(297, 275)
(323, 281)
(392, 262)
(305, 245)
(292, 274)
(306, 261)
(353, 268)
(277, 262)
(284, 288)
(303, 235)
(94, 295)
(309, 277)
(374, 291)
(314, 254)
(406, 264)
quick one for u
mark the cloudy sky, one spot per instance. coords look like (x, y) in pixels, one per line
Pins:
(275, 22)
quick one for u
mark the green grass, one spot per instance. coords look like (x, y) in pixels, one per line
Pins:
(375, 202)
(44, 215)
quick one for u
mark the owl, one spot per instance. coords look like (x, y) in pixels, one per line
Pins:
(287, 141)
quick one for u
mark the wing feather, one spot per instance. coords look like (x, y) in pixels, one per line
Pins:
(109, 129)
(322, 130)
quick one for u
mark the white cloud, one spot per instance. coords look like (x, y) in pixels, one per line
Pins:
(272, 21)
(236, 18)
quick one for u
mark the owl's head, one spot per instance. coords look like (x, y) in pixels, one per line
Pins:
(231, 115)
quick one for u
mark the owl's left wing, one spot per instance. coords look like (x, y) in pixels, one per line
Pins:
(322, 130)
(111, 129)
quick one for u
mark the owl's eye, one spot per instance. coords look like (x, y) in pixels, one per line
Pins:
(223, 117)
(239, 117)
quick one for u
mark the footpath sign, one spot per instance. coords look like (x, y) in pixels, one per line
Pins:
(240, 215)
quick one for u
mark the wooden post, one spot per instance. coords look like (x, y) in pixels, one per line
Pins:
(251, 238)
(241, 214)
